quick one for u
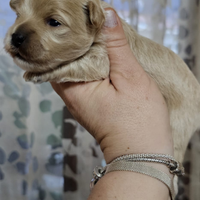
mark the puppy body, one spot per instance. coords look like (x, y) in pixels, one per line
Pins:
(77, 60)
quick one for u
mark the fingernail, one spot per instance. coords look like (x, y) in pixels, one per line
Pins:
(111, 19)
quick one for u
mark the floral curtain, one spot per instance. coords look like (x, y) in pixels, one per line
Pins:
(44, 153)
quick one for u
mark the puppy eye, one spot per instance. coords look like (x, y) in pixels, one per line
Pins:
(18, 15)
(53, 22)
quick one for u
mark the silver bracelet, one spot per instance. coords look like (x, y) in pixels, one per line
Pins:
(175, 167)
(132, 162)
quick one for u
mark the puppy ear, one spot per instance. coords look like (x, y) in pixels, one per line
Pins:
(13, 4)
(95, 12)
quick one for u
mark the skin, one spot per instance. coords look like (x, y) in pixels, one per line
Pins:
(125, 113)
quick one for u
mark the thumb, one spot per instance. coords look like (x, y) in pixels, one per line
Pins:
(123, 64)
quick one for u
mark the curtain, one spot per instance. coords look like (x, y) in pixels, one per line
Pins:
(189, 46)
(31, 154)
(44, 153)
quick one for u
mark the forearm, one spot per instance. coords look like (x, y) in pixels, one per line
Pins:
(129, 185)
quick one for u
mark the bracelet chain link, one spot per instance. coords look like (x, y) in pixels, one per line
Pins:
(175, 167)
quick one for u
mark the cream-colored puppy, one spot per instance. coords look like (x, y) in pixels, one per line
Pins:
(61, 41)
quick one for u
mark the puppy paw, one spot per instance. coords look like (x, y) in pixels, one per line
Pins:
(33, 77)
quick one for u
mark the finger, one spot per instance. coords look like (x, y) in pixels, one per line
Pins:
(123, 64)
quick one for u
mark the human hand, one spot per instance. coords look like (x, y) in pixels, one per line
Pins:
(126, 113)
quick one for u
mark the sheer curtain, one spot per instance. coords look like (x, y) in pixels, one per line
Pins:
(44, 153)
(31, 151)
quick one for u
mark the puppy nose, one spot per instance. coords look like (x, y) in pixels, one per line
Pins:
(17, 39)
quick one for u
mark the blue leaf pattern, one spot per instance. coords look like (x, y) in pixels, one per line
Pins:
(1, 175)
(22, 168)
(24, 187)
(24, 106)
(1, 115)
(35, 164)
(19, 124)
(23, 141)
(32, 140)
(35, 184)
(13, 157)
(2, 156)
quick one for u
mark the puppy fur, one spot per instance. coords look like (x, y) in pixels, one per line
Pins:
(76, 51)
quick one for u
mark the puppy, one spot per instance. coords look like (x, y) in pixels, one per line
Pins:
(61, 41)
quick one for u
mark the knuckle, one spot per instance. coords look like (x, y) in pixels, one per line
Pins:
(117, 43)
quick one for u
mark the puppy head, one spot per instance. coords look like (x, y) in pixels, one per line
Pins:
(50, 33)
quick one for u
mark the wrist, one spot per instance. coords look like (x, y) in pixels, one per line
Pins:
(129, 184)
(146, 164)
(113, 147)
